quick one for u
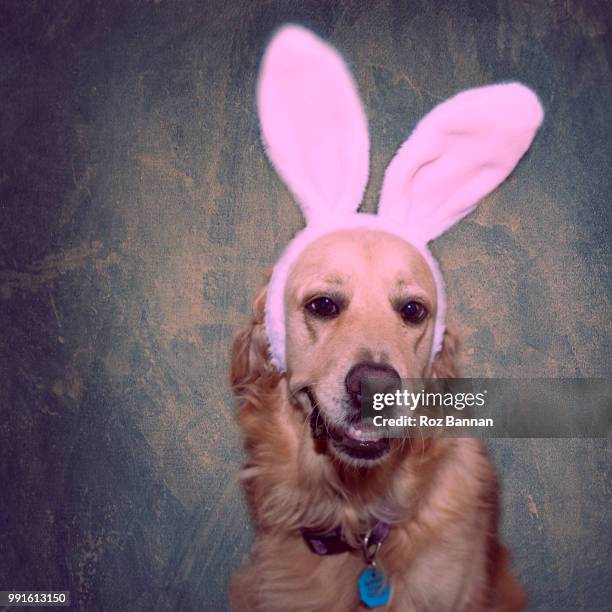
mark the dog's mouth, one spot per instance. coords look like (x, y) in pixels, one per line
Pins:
(356, 441)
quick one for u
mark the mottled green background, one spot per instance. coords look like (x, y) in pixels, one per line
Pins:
(138, 215)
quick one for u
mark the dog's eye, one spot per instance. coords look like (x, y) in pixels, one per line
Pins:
(323, 307)
(413, 312)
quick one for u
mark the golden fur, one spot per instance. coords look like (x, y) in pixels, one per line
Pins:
(439, 494)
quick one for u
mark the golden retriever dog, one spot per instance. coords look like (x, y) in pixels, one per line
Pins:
(359, 301)
(348, 517)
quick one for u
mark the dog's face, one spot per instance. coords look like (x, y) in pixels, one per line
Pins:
(360, 306)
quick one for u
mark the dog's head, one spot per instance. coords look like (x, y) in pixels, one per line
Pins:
(360, 306)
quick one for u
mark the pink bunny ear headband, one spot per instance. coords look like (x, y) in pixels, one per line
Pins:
(316, 135)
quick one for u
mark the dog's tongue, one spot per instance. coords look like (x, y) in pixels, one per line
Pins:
(362, 434)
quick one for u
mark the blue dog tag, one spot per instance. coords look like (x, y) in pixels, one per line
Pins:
(373, 590)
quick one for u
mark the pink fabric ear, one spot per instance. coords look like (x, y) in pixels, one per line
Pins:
(458, 153)
(312, 123)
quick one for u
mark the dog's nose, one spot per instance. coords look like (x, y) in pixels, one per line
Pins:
(379, 377)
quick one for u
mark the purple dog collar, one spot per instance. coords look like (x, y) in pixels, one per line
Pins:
(332, 542)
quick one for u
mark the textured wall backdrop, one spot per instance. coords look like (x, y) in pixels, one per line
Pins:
(138, 215)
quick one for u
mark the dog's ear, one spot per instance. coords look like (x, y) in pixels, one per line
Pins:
(250, 359)
(312, 122)
(462, 150)
(446, 362)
